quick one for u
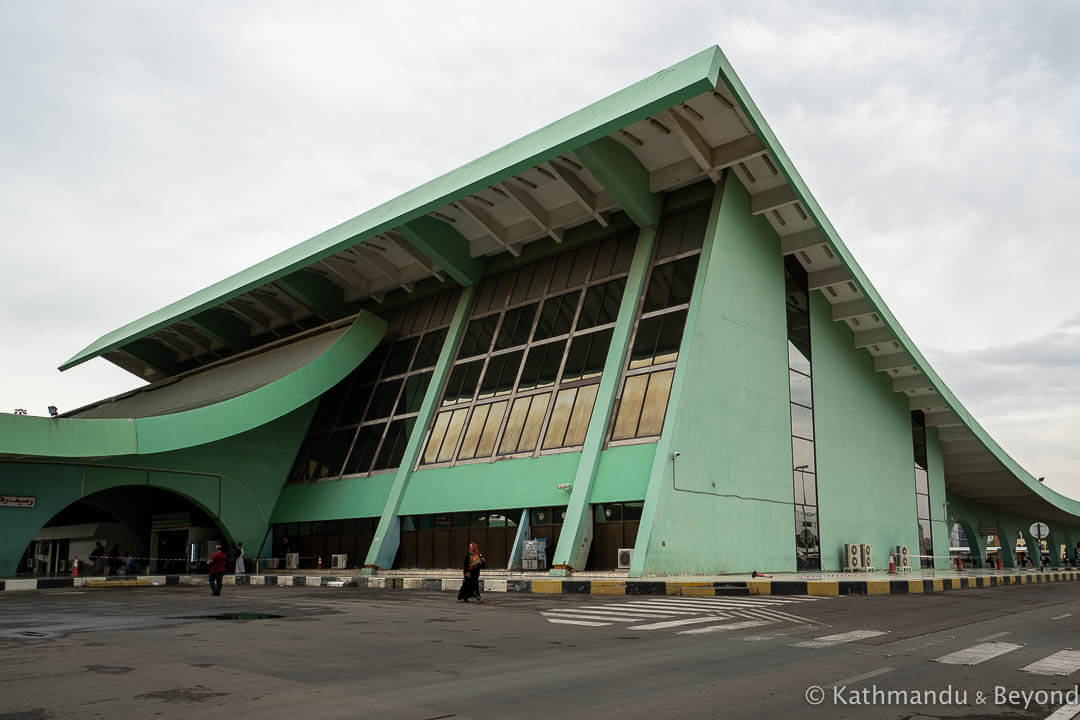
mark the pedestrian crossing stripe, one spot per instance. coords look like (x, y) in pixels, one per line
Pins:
(1063, 663)
(978, 653)
(839, 639)
(672, 612)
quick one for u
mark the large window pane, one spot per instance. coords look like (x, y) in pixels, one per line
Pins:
(670, 284)
(587, 355)
(478, 336)
(435, 439)
(413, 396)
(462, 382)
(630, 407)
(801, 389)
(400, 356)
(530, 434)
(542, 365)
(802, 422)
(352, 412)
(802, 454)
(383, 399)
(655, 405)
(516, 326)
(453, 433)
(601, 305)
(473, 432)
(557, 315)
(364, 448)
(393, 446)
(923, 504)
(560, 418)
(486, 446)
(332, 456)
(798, 359)
(514, 425)
(579, 418)
(500, 374)
(428, 352)
(921, 481)
(670, 337)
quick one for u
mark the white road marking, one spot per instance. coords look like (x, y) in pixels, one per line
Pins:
(677, 623)
(1062, 617)
(582, 616)
(1064, 663)
(995, 636)
(977, 653)
(773, 615)
(560, 621)
(724, 628)
(839, 639)
(1065, 712)
(616, 611)
(859, 678)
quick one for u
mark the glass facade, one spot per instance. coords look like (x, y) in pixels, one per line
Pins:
(800, 387)
(363, 423)
(922, 489)
(654, 348)
(529, 364)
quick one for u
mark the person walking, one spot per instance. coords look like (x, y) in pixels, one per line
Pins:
(239, 558)
(217, 570)
(95, 555)
(470, 585)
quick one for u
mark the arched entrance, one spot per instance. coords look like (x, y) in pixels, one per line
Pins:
(122, 530)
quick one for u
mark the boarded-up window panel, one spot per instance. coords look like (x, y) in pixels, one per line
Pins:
(656, 398)
(630, 407)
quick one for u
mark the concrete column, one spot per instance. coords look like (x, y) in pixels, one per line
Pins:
(384, 545)
(573, 548)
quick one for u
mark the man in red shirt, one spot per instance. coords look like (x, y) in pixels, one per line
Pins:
(217, 570)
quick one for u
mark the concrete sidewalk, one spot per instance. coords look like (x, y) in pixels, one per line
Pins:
(822, 584)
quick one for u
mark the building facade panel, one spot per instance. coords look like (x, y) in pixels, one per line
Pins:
(864, 447)
(708, 506)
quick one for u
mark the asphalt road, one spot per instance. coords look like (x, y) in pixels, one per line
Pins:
(348, 653)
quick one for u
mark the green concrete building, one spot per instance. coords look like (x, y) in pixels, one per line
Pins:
(633, 334)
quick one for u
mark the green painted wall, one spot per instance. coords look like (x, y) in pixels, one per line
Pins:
(725, 505)
(865, 459)
(335, 500)
(938, 509)
(522, 482)
(236, 480)
(623, 474)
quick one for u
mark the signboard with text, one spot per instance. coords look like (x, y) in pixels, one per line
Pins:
(17, 501)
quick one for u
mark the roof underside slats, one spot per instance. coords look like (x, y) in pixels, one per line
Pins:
(686, 124)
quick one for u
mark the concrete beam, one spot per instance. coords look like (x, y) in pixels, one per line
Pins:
(942, 418)
(852, 308)
(932, 401)
(876, 336)
(910, 382)
(892, 362)
(954, 432)
(493, 227)
(418, 258)
(772, 199)
(532, 208)
(445, 246)
(802, 240)
(584, 196)
(618, 170)
(721, 156)
(829, 276)
(153, 355)
(693, 142)
(956, 447)
(315, 292)
(224, 327)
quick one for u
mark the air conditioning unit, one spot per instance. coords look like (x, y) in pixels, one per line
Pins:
(852, 557)
(292, 561)
(903, 557)
(626, 556)
(61, 565)
(867, 556)
(338, 562)
(272, 563)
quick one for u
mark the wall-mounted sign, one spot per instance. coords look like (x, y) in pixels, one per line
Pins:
(17, 501)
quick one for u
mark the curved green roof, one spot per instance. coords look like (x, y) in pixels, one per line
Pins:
(77, 437)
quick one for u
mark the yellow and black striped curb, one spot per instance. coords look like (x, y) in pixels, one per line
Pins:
(560, 586)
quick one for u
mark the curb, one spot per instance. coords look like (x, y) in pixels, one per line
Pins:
(560, 586)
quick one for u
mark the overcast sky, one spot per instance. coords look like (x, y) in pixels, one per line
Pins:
(148, 150)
